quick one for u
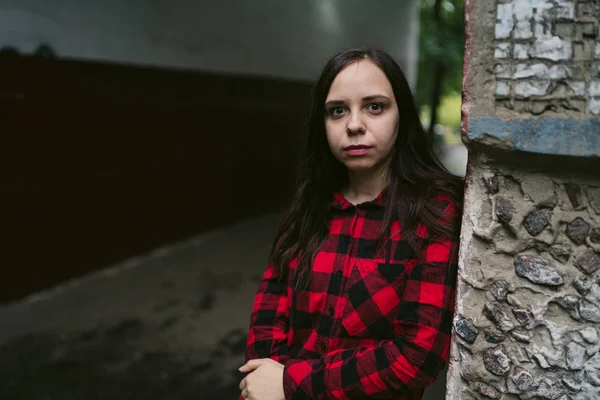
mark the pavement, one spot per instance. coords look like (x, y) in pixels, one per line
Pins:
(170, 324)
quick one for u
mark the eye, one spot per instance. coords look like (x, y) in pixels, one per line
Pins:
(336, 111)
(376, 108)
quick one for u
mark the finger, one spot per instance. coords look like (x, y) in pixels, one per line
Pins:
(244, 394)
(252, 365)
(243, 384)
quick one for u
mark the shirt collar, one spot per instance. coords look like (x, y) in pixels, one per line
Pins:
(339, 202)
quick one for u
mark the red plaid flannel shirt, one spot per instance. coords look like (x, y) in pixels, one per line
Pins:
(373, 323)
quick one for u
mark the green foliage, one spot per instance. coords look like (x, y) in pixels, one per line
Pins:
(442, 41)
(448, 111)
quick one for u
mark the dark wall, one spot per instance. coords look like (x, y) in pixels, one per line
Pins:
(102, 162)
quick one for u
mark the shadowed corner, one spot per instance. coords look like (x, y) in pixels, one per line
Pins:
(114, 362)
(101, 365)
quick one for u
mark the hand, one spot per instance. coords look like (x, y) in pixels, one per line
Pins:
(264, 382)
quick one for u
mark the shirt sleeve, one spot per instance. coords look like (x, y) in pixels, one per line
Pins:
(269, 320)
(411, 360)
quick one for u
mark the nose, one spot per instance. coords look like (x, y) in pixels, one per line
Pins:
(355, 124)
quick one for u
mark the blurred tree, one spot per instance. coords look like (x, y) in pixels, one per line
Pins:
(441, 47)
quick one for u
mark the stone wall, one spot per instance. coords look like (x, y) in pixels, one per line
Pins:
(548, 56)
(528, 315)
(528, 309)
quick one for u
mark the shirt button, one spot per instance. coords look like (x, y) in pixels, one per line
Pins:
(323, 346)
(331, 311)
(339, 274)
(346, 240)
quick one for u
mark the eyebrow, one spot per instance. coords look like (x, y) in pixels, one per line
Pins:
(367, 98)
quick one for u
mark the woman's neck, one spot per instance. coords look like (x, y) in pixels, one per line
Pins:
(365, 185)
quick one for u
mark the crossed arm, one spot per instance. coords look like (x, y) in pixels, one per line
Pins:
(409, 361)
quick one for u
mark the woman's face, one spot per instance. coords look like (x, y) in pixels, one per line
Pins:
(361, 117)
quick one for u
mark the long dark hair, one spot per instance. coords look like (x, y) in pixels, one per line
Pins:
(416, 174)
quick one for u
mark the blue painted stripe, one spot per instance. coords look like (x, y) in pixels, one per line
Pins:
(544, 135)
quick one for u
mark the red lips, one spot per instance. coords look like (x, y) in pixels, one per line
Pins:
(357, 147)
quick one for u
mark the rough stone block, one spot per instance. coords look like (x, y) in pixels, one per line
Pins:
(521, 51)
(571, 384)
(521, 335)
(564, 30)
(583, 285)
(499, 289)
(588, 262)
(594, 106)
(519, 353)
(542, 71)
(492, 184)
(594, 89)
(577, 88)
(557, 91)
(573, 105)
(505, 103)
(550, 389)
(522, 378)
(565, 10)
(502, 50)
(504, 13)
(524, 316)
(575, 355)
(553, 49)
(541, 31)
(494, 336)
(577, 230)
(536, 221)
(502, 89)
(569, 301)
(595, 69)
(522, 10)
(503, 71)
(583, 51)
(496, 314)
(533, 107)
(503, 30)
(539, 107)
(578, 72)
(585, 30)
(486, 390)
(575, 195)
(504, 210)
(532, 88)
(537, 270)
(593, 196)
(560, 252)
(585, 11)
(592, 377)
(595, 236)
(522, 30)
(589, 311)
(496, 360)
(466, 330)
(589, 334)
(546, 10)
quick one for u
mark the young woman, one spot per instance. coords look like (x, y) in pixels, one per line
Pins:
(358, 298)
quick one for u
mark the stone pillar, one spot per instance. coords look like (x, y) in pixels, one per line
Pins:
(528, 309)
